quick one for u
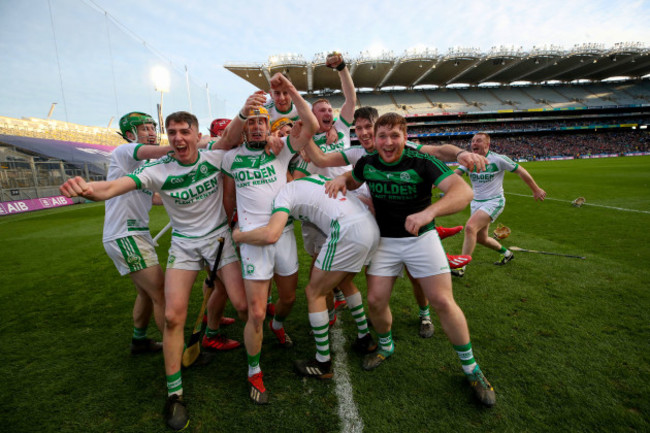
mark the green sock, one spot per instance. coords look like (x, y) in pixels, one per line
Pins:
(339, 295)
(424, 312)
(386, 342)
(211, 333)
(503, 250)
(175, 384)
(320, 326)
(254, 363)
(466, 356)
(139, 333)
(355, 304)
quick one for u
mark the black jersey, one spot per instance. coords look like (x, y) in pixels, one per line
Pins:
(401, 188)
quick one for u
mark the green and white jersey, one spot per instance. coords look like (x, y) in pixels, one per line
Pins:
(343, 142)
(192, 194)
(258, 178)
(305, 199)
(489, 183)
(127, 214)
(353, 154)
(276, 114)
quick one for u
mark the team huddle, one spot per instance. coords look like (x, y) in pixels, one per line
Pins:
(281, 160)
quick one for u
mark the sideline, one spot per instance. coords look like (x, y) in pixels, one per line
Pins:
(46, 212)
(348, 413)
(586, 204)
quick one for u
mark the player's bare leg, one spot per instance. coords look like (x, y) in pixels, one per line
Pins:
(149, 283)
(379, 291)
(256, 295)
(426, 325)
(286, 286)
(438, 289)
(320, 285)
(178, 285)
(477, 222)
(213, 339)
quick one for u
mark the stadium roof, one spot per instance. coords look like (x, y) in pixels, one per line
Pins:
(469, 66)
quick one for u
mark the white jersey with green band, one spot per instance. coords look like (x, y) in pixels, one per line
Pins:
(305, 199)
(192, 194)
(258, 177)
(488, 184)
(343, 142)
(127, 214)
(276, 114)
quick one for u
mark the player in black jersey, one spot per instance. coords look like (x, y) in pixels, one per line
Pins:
(400, 182)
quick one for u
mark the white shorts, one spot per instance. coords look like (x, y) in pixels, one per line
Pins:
(350, 245)
(132, 253)
(423, 256)
(194, 254)
(262, 262)
(312, 238)
(493, 207)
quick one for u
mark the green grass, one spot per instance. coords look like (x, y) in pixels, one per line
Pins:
(564, 341)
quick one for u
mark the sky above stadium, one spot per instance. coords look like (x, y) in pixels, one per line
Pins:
(94, 57)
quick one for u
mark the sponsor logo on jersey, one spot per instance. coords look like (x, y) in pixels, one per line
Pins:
(195, 192)
(403, 177)
(262, 173)
(491, 170)
(392, 191)
(321, 142)
(251, 161)
(202, 171)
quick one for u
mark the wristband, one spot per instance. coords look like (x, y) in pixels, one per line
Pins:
(242, 117)
(464, 150)
(341, 66)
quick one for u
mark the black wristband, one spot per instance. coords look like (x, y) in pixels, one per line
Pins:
(341, 66)
(464, 150)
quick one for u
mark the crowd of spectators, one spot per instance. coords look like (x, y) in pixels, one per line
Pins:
(508, 126)
(535, 147)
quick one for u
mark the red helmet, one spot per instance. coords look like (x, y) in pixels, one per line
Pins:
(217, 126)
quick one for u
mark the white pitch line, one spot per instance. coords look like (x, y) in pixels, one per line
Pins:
(586, 204)
(351, 422)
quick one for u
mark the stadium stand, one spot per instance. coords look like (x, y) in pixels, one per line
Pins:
(543, 104)
(37, 155)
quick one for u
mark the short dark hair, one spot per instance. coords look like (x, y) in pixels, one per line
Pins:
(182, 116)
(391, 120)
(369, 113)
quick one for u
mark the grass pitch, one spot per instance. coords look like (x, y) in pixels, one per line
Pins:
(564, 341)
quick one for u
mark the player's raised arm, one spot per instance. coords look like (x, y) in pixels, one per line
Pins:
(335, 61)
(451, 153)
(97, 191)
(233, 133)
